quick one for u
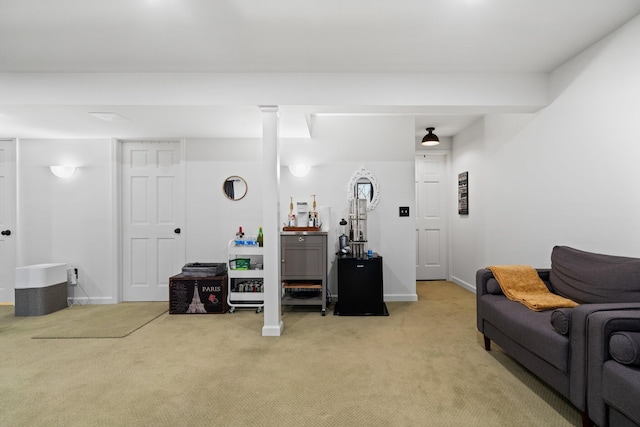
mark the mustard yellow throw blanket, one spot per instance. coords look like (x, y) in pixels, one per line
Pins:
(522, 284)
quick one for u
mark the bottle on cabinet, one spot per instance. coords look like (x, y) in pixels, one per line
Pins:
(239, 237)
(313, 219)
(291, 219)
(260, 237)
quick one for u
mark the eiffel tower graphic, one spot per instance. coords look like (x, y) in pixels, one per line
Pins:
(196, 305)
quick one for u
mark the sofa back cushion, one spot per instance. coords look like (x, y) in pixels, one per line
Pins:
(586, 277)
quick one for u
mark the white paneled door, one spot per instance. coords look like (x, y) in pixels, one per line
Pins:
(152, 217)
(7, 221)
(431, 217)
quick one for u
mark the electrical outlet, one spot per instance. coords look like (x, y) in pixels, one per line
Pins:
(404, 210)
(72, 276)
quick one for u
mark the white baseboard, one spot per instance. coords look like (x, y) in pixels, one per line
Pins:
(92, 300)
(463, 284)
(273, 330)
(389, 297)
(400, 297)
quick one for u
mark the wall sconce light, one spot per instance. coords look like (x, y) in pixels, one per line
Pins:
(62, 171)
(430, 138)
(299, 170)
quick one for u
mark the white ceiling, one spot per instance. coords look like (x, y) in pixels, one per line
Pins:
(257, 36)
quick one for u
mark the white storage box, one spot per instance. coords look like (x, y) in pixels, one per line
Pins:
(40, 289)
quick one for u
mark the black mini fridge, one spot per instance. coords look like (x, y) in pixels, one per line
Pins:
(360, 290)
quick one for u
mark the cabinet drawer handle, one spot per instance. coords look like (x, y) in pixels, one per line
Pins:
(300, 239)
(359, 265)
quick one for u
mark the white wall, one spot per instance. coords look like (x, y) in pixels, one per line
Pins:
(69, 220)
(74, 220)
(212, 219)
(566, 175)
(338, 147)
(466, 230)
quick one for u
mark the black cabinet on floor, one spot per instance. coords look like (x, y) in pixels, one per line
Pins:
(360, 290)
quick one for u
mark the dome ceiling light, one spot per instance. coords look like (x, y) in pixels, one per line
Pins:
(430, 139)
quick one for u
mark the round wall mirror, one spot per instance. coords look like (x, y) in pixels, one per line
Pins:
(234, 187)
(363, 185)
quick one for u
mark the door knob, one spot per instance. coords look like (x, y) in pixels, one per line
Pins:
(177, 231)
(6, 233)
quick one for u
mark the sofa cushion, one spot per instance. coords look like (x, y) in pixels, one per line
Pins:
(530, 329)
(561, 320)
(587, 277)
(624, 347)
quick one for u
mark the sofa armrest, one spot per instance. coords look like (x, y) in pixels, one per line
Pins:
(483, 276)
(600, 327)
(581, 317)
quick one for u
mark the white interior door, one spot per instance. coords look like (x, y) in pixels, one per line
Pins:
(7, 221)
(431, 217)
(152, 217)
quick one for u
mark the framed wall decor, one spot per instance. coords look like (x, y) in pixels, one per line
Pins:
(463, 193)
(234, 187)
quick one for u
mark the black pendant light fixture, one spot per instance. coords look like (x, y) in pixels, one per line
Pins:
(430, 138)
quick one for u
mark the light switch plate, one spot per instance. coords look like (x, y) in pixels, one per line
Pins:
(404, 210)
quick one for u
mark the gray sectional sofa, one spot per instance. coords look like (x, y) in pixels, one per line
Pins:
(553, 344)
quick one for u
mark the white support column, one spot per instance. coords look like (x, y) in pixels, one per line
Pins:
(273, 324)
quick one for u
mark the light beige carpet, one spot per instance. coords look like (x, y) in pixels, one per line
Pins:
(97, 321)
(423, 365)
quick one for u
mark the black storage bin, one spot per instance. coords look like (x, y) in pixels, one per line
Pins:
(211, 296)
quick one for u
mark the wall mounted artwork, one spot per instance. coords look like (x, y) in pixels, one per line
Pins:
(463, 193)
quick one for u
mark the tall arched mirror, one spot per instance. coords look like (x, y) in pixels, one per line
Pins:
(234, 187)
(363, 185)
